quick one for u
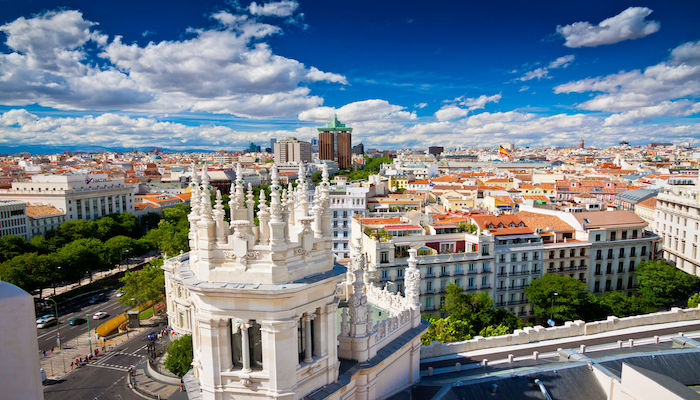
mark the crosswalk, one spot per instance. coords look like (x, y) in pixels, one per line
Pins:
(118, 360)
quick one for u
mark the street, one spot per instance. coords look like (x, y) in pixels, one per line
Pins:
(104, 378)
(47, 336)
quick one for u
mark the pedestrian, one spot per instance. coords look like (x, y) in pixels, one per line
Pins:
(71, 365)
(43, 352)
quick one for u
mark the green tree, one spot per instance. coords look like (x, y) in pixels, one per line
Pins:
(106, 228)
(621, 305)
(143, 285)
(495, 330)
(571, 301)
(80, 256)
(694, 300)
(30, 271)
(445, 330)
(119, 247)
(180, 355)
(12, 246)
(663, 285)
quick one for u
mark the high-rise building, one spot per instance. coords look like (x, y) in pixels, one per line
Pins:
(292, 150)
(358, 149)
(435, 150)
(335, 143)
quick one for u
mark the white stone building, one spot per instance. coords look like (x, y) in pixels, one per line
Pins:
(13, 218)
(677, 220)
(79, 196)
(261, 303)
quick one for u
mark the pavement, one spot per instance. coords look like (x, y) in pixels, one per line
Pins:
(105, 377)
(69, 334)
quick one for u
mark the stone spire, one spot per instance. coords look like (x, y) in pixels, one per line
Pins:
(250, 204)
(205, 196)
(219, 213)
(277, 222)
(412, 280)
(263, 218)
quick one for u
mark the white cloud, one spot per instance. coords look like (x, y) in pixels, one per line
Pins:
(629, 24)
(274, 9)
(481, 101)
(543, 72)
(678, 108)
(224, 70)
(420, 105)
(360, 111)
(450, 112)
(562, 62)
(656, 86)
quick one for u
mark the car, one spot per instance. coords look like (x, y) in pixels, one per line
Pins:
(120, 293)
(97, 298)
(77, 321)
(100, 315)
(47, 322)
(43, 317)
(152, 336)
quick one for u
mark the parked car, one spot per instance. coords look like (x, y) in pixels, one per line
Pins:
(100, 315)
(47, 322)
(43, 317)
(120, 293)
(77, 321)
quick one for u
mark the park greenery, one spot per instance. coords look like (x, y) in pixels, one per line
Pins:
(469, 315)
(371, 167)
(180, 355)
(77, 248)
(144, 285)
(564, 298)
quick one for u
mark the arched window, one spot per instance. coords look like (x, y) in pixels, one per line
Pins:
(251, 339)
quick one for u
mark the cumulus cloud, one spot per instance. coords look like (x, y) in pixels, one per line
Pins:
(274, 9)
(481, 101)
(450, 112)
(629, 24)
(665, 89)
(221, 70)
(543, 72)
(360, 111)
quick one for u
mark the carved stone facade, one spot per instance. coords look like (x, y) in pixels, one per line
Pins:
(252, 294)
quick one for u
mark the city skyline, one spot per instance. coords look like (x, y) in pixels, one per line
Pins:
(219, 75)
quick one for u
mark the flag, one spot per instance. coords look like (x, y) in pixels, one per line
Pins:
(502, 150)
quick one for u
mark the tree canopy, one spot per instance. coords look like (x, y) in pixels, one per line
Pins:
(561, 298)
(469, 315)
(143, 285)
(664, 285)
(180, 355)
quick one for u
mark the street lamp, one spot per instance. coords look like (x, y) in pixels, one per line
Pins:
(87, 317)
(58, 333)
(551, 309)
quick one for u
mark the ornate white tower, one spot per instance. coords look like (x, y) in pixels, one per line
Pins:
(261, 305)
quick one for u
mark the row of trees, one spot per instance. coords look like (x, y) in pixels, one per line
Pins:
(469, 315)
(564, 298)
(78, 247)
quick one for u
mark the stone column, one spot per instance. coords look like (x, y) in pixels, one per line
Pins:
(114, 205)
(245, 347)
(308, 357)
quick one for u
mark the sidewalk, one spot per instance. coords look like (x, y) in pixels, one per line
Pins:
(58, 364)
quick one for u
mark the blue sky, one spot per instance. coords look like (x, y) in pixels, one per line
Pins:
(218, 75)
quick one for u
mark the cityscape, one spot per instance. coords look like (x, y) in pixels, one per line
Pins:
(427, 201)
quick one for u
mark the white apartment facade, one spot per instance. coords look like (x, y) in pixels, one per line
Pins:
(79, 196)
(677, 220)
(291, 150)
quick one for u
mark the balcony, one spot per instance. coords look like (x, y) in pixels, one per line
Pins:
(487, 286)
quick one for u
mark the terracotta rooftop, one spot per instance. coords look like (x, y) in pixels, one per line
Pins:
(649, 203)
(544, 221)
(42, 211)
(609, 219)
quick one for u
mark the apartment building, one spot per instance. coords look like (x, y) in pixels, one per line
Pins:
(79, 196)
(677, 220)
(291, 150)
(41, 219)
(619, 243)
(518, 254)
(346, 202)
(13, 218)
(445, 254)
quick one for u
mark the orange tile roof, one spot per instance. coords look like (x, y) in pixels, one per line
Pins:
(544, 221)
(380, 221)
(42, 211)
(649, 203)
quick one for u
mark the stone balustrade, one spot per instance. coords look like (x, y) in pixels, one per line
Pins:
(569, 329)
(383, 298)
